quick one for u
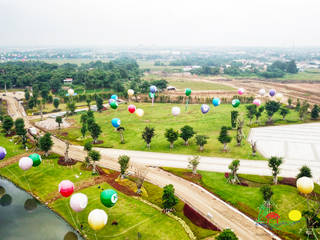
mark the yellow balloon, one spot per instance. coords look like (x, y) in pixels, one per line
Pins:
(71, 92)
(305, 185)
(139, 112)
(97, 219)
(130, 92)
(295, 215)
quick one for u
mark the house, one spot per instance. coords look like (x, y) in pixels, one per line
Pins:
(67, 81)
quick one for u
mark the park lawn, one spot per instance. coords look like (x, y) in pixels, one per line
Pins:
(307, 75)
(132, 215)
(11, 148)
(159, 116)
(43, 180)
(199, 85)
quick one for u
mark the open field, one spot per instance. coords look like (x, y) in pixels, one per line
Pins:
(159, 116)
(11, 148)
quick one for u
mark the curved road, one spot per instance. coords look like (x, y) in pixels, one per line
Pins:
(211, 207)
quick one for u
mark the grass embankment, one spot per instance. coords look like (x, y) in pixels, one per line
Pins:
(248, 198)
(159, 116)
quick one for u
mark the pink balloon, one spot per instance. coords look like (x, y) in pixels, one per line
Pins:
(66, 188)
(257, 102)
(240, 91)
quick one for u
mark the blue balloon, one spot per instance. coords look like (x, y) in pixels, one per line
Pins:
(205, 108)
(115, 122)
(153, 89)
(114, 97)
(216, 102)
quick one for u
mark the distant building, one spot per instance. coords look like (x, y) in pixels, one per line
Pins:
(171, 88)
(67, 81)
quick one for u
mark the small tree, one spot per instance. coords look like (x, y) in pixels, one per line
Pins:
(83, 119)
(26, 94)
(234, 116)
(251, 111)
(254, 148)
(284, 112)
(201, 140)
(315, 112)
(224, 138)
(99, 102)
(193, 164)
(140, 172)
(123, 160)
(95, 131)
(21, 131)
(303, 110)
(304, 172)
(83, 130)
(95, 157)
(147, 135)
(7, 124)
(272, 107)
(71, 106)
(240, 134)
(274, 163)
(298, 105)
(169, 200)
(227, 234)
(56, 103)
(234, 167)
(59, 120)
(267, 194)
(172, 136)
(87, 147)
(88, 103)
(46, 143)
(186, 133)
(120, 130)
(259, 112)
(289, 102)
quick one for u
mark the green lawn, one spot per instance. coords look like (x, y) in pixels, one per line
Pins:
(11, 148)
(159, 116)
(199, 85)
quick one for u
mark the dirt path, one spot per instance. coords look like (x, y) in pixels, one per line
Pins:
(220, 213)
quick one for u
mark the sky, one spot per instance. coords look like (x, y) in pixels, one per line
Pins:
(281, 23)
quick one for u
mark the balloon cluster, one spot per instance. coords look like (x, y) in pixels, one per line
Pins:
(113, 101)
(34, 160)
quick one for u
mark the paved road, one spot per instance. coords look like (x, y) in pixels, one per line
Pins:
(214, 209)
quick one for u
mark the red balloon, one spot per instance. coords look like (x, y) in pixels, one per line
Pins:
(131, 108)
(66, 188)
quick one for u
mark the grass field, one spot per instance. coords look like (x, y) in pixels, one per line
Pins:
(11, 148)
(199, 85)
(248, 199)
(159, 116)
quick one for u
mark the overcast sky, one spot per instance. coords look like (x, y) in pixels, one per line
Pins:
(283, 23)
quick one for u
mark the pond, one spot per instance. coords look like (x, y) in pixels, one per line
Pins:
(23, 217)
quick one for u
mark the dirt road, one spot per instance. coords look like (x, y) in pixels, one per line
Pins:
(214, 209)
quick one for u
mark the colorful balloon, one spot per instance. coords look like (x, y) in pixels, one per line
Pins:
(279, 96)
(78, 202)
(130, 92)
(151, 95)
(205, 108)
(235, 103)
(153, 89)
(175, 111)
(109, 198)
(114, 97)
(240, 91)
(272, 92)
(25, 163)
(131, 108)
(188, 92)
(3, 153)
(97, 219)
(294, 215)
(116, 122)
(216, 102)
(36, 158)
(257, 102)
(113, 104)
(262, 92)
(139, 112)
(305, 185)
(70, 92)
(66, 188)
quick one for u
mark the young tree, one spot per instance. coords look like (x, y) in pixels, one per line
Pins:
(254, 148)
(289, 102)
(315, 112)
(251, 111)
(284, 112)
(95, 157)
(27, 94)
(303, 110)
(83, 119)
(267, 194)
(298, 105)
(193, 164)
(123, 160)
(21, 131)
(147, 135)
(186, 133)
(56, 103)
(59, 120)
(46, 143)
(172, 136)
(71, 106)
(305, 171)
(99, 102)
(201, 140)
(120, 130)
(240, 134)
(224, 138)
(83, 130)
(259, 112)
(88, 103)
(87, 147)
(272, 107)
(7, 124)
(274, 163)
(227, 234)
(234, 116)
(95, 131)
(169, 200)
(234, 167)
(140, 172)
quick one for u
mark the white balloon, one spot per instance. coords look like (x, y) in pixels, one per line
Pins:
(130, 92)
(279, 96)
(25, 163)
(139, 112)
(78, 202)
(71, 92)
(262, 92)
(175, 111)
(97, 219)
(305, 185)
(257, 102)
